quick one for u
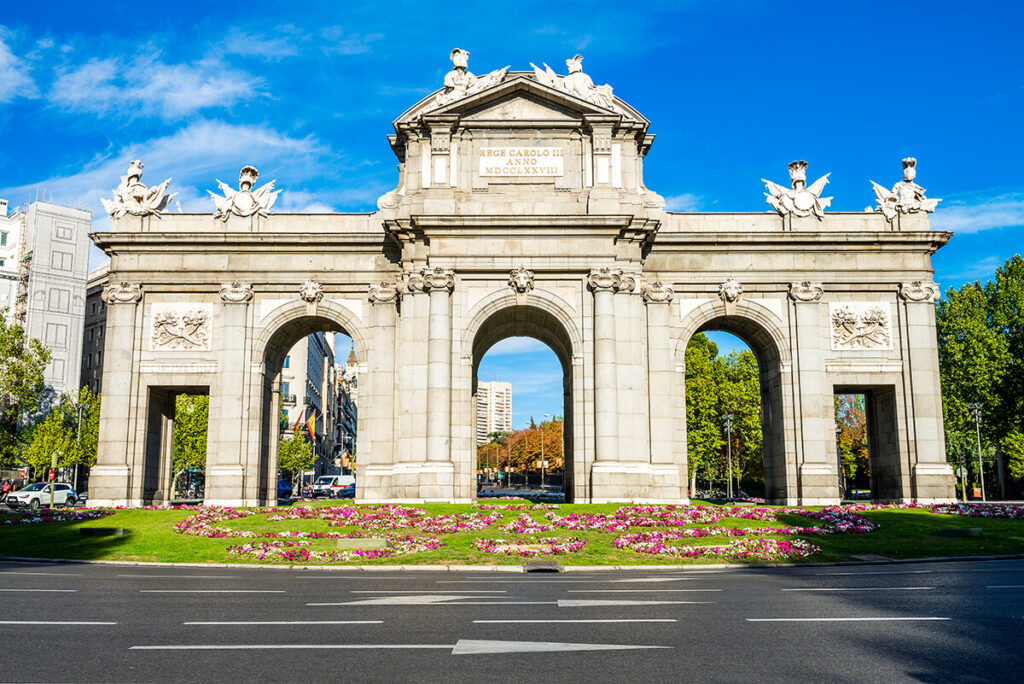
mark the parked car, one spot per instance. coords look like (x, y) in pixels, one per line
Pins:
(37, 495)
(284, 489)
(330, 485)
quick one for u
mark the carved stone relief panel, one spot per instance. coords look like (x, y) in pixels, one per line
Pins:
(181, 326)
(860, 325)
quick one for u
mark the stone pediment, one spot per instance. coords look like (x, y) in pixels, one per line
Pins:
(519, 97)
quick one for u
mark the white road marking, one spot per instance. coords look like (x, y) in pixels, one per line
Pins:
(643, 591)
(586, 603)
(211, 591)
(515, 622)
(293, 622)
(432, 600)
(59, 591)
(414, 591)
(848, 619)
(476, 647)
(1005, 586)
(179, 576)
(53, 622)
(48, 574)
(860, 589)
(462, 647)
(857, 574)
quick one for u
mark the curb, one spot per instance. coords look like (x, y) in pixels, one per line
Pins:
(511, 568)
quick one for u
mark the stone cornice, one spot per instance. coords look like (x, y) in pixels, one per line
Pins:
(804, 241)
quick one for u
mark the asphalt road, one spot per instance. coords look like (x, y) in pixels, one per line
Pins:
(933, 622)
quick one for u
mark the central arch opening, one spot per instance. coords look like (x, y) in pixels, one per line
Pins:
(534, 453)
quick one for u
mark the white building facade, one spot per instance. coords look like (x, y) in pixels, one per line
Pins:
(493, 409)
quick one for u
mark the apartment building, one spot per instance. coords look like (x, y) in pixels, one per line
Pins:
(493, 409)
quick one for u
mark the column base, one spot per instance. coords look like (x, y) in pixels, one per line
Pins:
(934, 483)
(819, 485)
(629, 482)
(108, 486)
(420, 482)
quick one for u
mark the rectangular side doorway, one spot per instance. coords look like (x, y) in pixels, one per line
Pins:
(869, 441)
(162, 470)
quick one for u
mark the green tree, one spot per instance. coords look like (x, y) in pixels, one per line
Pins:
(22, 387)
(191, 419)
(58, 433)
(1013, 449)
(49, 437)
(740, 394)
(295, 454)
(705, 373)
(851, 417)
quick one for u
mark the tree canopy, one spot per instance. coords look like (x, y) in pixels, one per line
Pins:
(521, 448)
(191, 417)
(58, 433)
(22, 385)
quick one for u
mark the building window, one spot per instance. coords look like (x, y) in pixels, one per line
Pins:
(3, 239)
(284, 389)
(103, 306)
(287, 361)
(100, 333)
(92, 309)
(92, 332)
(1, 260)
(99, 358)
(88, 361)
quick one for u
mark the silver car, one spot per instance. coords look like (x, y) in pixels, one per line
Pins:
(36, 495)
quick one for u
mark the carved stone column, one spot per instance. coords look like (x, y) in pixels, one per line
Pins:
(111, 482)
(604, 282)
(664, 396)
(439, 283)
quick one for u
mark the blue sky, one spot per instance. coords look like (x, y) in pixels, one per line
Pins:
(307, 92)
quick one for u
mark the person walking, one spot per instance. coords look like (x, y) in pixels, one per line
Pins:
(5, 489)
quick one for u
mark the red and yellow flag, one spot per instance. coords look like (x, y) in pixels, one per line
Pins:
(295, 428)
(311, 426)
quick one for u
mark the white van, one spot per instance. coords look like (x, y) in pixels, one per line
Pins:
(333, 485)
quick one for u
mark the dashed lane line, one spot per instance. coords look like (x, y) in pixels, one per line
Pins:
(212, 591)
(289, 622)
(848, 619)
(859, 589)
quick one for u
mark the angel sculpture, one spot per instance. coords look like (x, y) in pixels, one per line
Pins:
(799, 200)
(906, 197)
(460, 83)
(245, 201)
(576, 83)
(133, 198)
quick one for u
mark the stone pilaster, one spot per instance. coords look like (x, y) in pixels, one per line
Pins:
(818, 470)
(604, 282)
(227, 468)
(111, 482)
(377, 458)
(932, 479)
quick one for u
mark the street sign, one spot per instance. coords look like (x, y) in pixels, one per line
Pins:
(53, 474)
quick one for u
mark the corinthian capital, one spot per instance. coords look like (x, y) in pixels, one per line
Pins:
(919, 291)
(605, 279)
(122, 293)
(438, 278)
(657, 292)
(383, 293)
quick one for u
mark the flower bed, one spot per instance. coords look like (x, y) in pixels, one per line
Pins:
(543, 546)
(975, 510)
(524, 524)
(299, 551)
(56, 515)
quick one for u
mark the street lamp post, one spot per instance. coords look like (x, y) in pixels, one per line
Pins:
(839, 461)
(727, 419)
(78, 442)
(976, 417)
(543, 463)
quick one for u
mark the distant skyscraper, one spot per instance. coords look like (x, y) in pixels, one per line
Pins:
(493, 409)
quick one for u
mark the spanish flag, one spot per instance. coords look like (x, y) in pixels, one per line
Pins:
(311, 425)
(295, 428)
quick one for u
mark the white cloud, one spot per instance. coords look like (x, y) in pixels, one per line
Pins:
(145, 85)
(982, 268)
(245, 44)
(341, 43)
(978, 213)
(684, 202)
(15, 80)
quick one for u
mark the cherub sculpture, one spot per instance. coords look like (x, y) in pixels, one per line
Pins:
(906, 197)
(460, 83)
(576, 83)
(245, 201)
(799, 200)
(132, 198)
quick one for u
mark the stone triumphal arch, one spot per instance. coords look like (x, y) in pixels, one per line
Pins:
(521, 209)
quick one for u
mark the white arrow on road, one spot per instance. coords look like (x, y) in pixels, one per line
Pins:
(459, 600)
(462, 647)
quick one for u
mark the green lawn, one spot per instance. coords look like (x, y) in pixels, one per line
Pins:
(903, 534)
